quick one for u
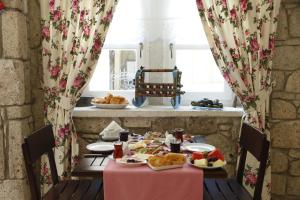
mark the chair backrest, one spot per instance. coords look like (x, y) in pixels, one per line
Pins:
(38, 143)
(255, 142)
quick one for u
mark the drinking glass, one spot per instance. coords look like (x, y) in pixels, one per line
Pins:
(118, 152)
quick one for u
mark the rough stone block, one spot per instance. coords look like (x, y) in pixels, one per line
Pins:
(293, 82)
(93, 125)
(297, 103)
(140, 131)
(202, 126)
(16, 189)
(2, 155)
(278, 184)
(168, 123)
(279, 161)
(286, 134)
(27, 83)
(287, 58)
(293, 185)
(82, 145)
(282, 27)
(283, 95)
(137, 122)
(225, 133)
(34, 15)
(294, 22)
(288, 42)
(14, 34)
(17, 4)
(226, 145)
(294, 153)
(12, 87)
(16, 112)
(230, 169)
(1, 190)
(295, 168)
(281, 109)
(279, 80)
(225, 120)
(36, 67)
(288, 2)
(224, 127)
(17, 130)
(38, 108)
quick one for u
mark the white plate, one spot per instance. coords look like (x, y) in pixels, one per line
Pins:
(205, 167)
(110, 106)
(122, 161)
(201, 147)
(164, 167)
(100, 147)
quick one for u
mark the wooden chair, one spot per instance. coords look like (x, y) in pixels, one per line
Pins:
(42, 142)
(254, 142)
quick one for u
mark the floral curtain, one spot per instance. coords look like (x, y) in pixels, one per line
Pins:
(241, 35)
(73, 33)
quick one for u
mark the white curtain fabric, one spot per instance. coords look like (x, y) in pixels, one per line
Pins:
(241, 35)
(73, 33)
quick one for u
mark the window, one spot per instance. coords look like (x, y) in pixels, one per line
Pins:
(118, 61)
(116, 70)
(156, 24)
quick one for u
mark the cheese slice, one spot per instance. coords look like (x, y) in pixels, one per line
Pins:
(200, 162)
(218, 163)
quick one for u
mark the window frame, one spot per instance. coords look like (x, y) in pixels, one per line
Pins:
(129, 94)
(226, 97)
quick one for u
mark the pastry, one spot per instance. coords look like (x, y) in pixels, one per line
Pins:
(110, 99)
(166, 160)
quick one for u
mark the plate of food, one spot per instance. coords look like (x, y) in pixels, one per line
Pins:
(154, 135)
(100, 147)
(110, 102)
(168, 161)
(198, 147)
(131, 161)
(204, 160)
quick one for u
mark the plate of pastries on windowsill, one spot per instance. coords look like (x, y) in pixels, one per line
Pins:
(110, 102)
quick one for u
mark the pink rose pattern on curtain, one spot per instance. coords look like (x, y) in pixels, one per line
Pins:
(241, 34)
(73, 33)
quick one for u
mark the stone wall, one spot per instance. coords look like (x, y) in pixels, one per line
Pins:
(18, 62)
(35, 53)
(285, 105)
(219, 131)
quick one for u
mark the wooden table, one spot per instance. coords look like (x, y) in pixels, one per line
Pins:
(92, 165)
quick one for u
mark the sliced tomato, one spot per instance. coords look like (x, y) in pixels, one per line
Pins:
(217, 154)
(197, 155)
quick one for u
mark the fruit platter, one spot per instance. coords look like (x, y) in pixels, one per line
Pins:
(207, 160)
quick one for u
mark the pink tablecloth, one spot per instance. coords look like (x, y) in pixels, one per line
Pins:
(142, 183)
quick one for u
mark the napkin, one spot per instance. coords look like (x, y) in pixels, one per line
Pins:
(112, 130)
(169, 138)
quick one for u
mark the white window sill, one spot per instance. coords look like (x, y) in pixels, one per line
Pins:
(156, 111)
